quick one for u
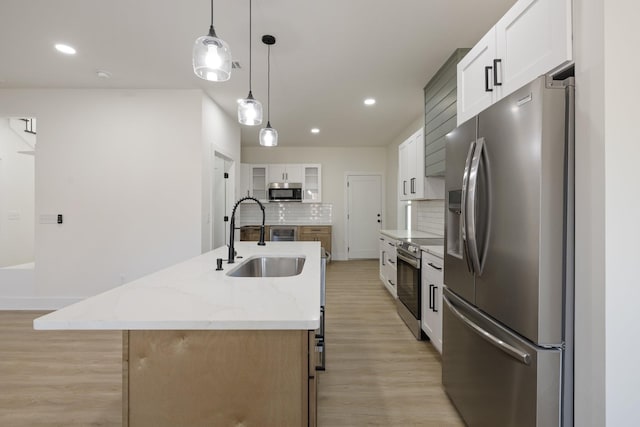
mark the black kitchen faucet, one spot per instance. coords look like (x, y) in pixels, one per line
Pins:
(232, 227)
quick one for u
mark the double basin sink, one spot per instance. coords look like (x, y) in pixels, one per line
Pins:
(269, 266)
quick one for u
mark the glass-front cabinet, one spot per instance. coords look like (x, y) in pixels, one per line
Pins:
(312, 184)
(253, 181)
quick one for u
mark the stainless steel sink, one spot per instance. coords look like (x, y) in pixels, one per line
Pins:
(269, 266)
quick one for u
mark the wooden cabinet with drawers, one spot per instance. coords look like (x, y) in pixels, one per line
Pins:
(251, 233)
(316, 233)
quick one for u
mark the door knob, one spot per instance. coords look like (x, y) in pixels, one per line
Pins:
(378, 220)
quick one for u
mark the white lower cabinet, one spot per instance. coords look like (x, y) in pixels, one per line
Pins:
(432, 283)
(387, 261)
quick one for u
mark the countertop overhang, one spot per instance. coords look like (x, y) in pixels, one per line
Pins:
(191, 295)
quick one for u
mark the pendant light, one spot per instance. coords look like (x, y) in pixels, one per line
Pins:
(249, 109)
(268, 135)
(211, 56)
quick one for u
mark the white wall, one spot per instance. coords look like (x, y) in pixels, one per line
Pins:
(335, 162)
(590, 202)
(125, 170)
(221, 134)
(607, 212)
(622, 212)
(17, 194)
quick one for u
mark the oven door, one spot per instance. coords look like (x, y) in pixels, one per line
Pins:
(409, 282)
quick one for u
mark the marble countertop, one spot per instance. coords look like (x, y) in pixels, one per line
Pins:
(289, 223)
(192, 295)
(409, 234)
(437, 250)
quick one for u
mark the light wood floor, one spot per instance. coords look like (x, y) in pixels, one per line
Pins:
(377, 373)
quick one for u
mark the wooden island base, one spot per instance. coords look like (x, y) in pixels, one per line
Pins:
(219, 378)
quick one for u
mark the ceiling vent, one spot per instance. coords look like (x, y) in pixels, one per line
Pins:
(236, 64)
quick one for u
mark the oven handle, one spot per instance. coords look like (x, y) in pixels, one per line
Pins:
(412, 262)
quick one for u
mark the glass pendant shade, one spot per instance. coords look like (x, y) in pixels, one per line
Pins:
(268, 136)
(249, 111)
(212, 58)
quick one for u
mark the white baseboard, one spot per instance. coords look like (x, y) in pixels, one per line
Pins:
(33, 303)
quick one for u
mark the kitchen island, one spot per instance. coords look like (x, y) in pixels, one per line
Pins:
(201, 347)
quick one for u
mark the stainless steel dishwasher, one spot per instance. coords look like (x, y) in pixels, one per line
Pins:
(283, 233)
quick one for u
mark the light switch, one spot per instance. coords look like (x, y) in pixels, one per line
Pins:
(48, 219)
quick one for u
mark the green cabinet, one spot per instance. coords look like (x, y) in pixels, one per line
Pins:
(440, 113)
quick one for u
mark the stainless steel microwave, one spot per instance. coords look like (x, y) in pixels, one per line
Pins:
(285, 192)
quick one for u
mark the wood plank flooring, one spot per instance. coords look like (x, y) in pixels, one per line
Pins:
(58, 378)
(377, 373)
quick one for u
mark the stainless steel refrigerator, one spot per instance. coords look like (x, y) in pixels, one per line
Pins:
(508, 299)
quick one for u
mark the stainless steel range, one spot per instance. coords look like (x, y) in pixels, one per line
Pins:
(409, 281)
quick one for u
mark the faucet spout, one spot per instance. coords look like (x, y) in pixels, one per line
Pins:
(232, 227)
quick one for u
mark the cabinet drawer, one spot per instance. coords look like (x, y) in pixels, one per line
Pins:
(307, 229)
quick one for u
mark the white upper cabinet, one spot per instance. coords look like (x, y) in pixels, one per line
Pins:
(257, 177)
(474, 91)
(412, 183)
(288, 172)
(533, 38)
(312, 184)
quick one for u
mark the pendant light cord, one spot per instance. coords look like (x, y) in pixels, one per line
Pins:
(249, 45)
(212, 31)
(269, 85)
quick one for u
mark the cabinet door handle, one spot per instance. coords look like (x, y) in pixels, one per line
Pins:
(381, 238)
(435, 309)
(413, 186)
(430, 297)
(391, 283)
(495, 72)
(383, 254)
(404, 188)
(390, 262)
(486, 79)
(435, 266)
(391, 244)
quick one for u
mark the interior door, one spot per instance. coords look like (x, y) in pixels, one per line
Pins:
(222, 199)
(364, 215)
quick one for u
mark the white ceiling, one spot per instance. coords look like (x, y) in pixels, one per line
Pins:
(329, 55)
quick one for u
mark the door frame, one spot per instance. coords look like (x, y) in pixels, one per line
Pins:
(383, 207)
(231, 190)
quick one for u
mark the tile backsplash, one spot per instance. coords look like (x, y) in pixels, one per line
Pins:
(287, 213)
(430, 216)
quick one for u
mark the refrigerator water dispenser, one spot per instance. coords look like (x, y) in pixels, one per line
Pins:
(454, 224)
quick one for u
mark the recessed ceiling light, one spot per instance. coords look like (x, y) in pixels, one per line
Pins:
(103, 74)
(315, 130)
(66, 49)
(369, 101)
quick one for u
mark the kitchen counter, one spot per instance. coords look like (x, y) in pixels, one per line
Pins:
(437, 250)
(193, 296)
(408, 234)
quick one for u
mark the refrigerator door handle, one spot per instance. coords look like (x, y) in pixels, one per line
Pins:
(520, 356)
(479, 155)
(463, 204)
